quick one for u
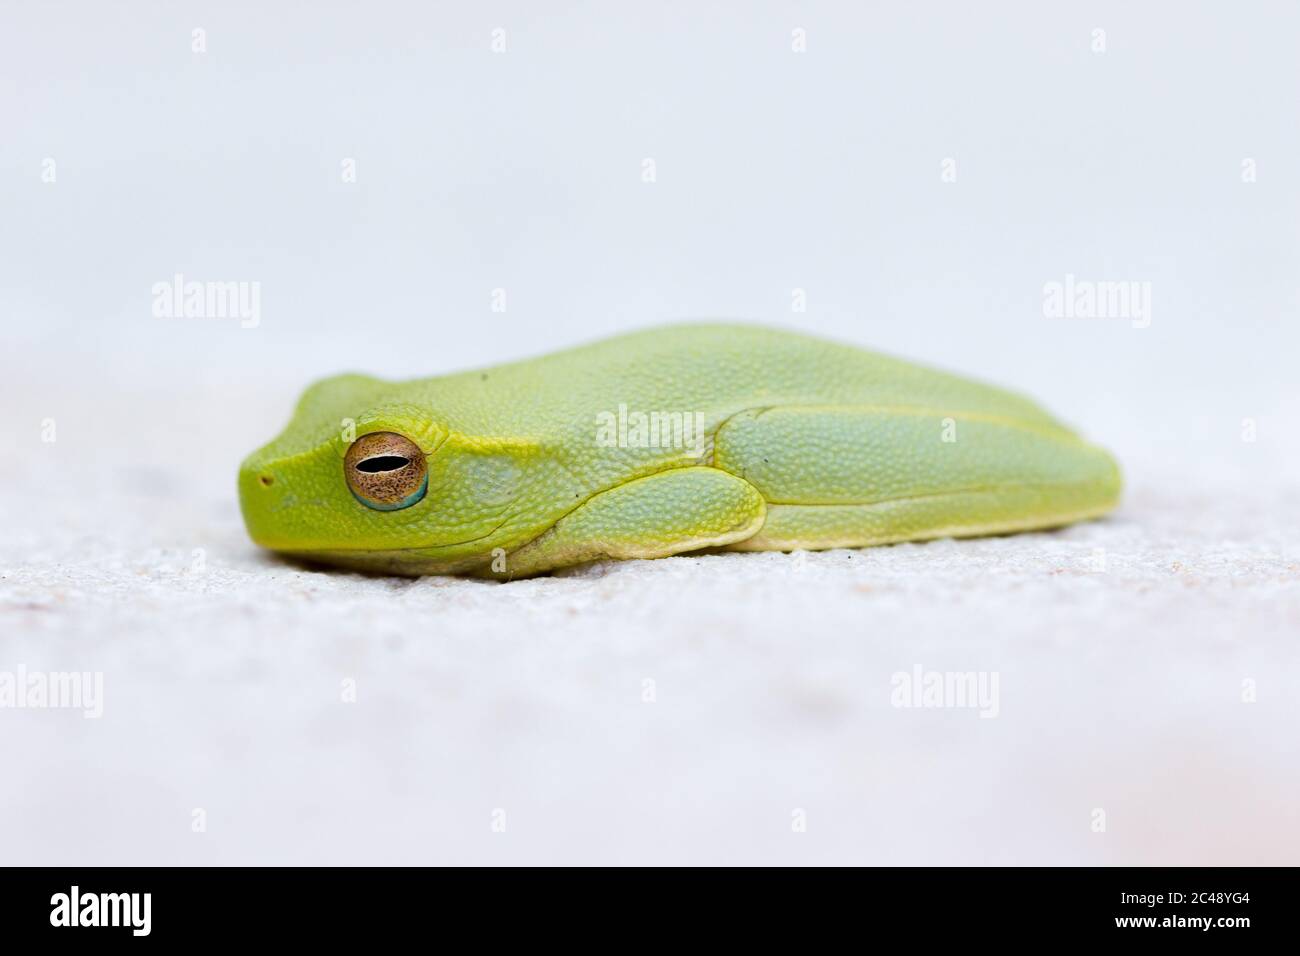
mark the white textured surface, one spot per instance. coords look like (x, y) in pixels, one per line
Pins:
(1119, 690)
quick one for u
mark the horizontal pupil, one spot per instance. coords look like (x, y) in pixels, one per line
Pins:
(380, 463)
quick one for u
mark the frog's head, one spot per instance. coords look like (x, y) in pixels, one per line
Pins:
(365, 475)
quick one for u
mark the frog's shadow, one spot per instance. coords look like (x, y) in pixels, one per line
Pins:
(607, 567)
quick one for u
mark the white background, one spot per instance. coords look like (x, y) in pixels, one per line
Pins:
(522, 170)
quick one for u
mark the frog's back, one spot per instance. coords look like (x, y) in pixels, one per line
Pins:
(714, 369)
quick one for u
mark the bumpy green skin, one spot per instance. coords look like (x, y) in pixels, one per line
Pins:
(809, 444)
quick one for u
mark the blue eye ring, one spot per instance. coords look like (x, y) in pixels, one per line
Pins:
(411, 499)
(386, 471)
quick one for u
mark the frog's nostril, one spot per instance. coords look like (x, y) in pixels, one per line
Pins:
(266, 480)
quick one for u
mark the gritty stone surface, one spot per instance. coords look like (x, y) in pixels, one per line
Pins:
(730, 708)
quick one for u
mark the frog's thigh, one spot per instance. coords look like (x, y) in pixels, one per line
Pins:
(846, 476)
(665, 513)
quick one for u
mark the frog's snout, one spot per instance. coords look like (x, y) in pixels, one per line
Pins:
(262, 493)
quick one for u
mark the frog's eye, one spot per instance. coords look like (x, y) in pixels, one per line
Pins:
(386, 471)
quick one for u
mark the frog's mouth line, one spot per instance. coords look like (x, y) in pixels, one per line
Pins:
(378, 552)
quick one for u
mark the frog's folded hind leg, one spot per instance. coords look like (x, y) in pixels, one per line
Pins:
(852, 476)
